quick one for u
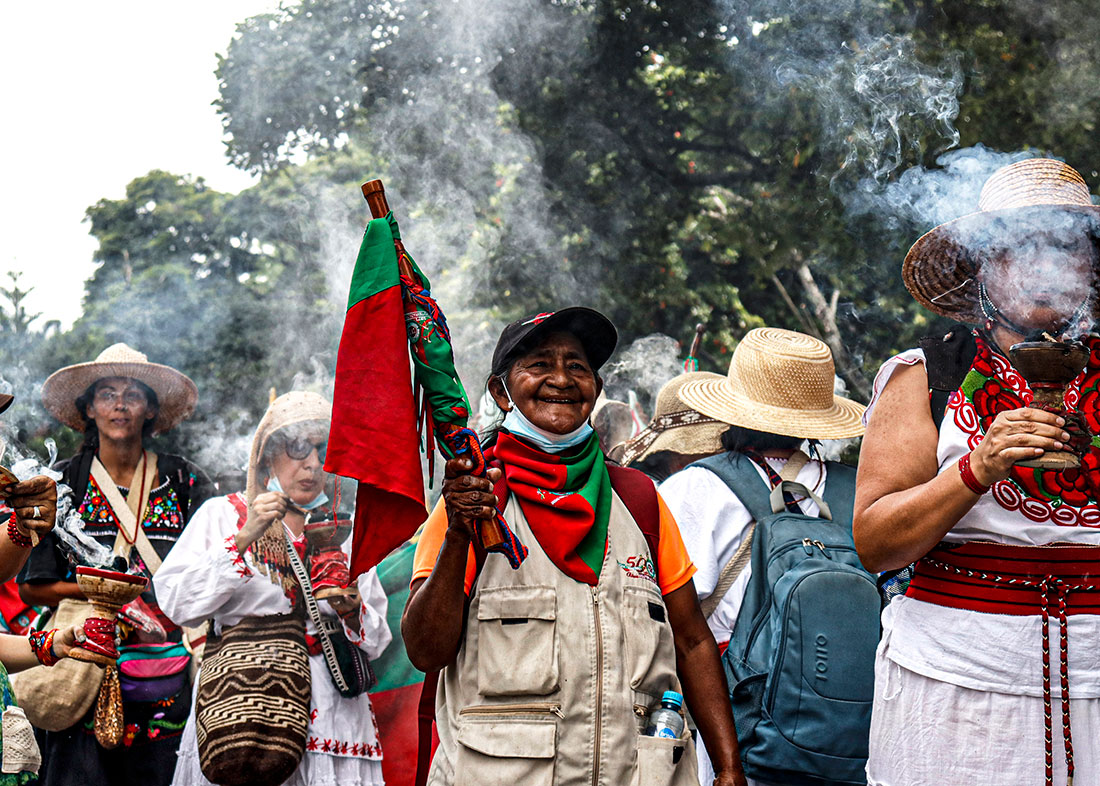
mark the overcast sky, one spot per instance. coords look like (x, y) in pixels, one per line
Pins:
(96, 94)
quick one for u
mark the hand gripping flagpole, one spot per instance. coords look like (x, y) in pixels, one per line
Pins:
(425, 320)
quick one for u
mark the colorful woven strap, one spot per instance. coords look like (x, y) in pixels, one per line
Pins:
(42, 646)
(774, 480)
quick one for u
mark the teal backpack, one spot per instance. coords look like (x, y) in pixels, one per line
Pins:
(800, 662)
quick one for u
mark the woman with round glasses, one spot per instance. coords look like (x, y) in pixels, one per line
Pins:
(228, 567)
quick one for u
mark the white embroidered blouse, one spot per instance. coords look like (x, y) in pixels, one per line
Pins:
(205, 577)
(990, 652)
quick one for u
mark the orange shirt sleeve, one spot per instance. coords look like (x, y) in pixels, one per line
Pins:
(674, 566)
(431, 541)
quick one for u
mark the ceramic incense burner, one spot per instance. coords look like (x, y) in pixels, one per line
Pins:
(108, 590)
(328, 569)
(1048, 366)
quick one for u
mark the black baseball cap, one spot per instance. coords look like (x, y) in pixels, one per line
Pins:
(595, 332)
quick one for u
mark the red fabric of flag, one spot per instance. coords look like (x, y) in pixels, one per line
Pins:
(374, 431)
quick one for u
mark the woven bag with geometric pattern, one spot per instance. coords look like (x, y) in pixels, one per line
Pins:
(252, 703)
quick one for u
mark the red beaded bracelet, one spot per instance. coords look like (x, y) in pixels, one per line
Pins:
(15, 536)
(968, 479)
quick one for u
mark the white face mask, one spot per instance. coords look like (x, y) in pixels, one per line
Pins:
(273, 484)
(516, 424)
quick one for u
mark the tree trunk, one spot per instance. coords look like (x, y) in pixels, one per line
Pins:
(825, 313)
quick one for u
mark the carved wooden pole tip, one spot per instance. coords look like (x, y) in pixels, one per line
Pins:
(373, 186)
(375, 194)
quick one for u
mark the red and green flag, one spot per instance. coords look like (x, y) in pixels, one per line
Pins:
(375, 422)
(373, 437)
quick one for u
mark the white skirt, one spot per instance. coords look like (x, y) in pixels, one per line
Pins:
(925, 732)
(316, 769)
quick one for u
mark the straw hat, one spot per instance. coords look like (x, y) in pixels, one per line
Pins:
(940, 270)
(675, 427)
(780, 382)
(175, 391)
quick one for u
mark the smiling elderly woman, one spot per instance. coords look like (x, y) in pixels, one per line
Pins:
(550, 670)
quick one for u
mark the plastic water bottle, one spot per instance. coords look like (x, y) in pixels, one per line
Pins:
(666, 721)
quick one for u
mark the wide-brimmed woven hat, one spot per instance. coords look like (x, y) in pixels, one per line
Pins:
(676, 427)
(175, 391)
(780, 382)
(941, 268)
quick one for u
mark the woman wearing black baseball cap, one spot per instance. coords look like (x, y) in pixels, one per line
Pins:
(549, 671)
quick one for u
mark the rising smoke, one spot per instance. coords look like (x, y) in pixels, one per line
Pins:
(469, 186)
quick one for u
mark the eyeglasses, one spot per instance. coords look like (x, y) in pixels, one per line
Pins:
(299, 448)
(131, 397)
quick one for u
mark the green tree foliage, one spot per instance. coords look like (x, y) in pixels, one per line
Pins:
(669, 163)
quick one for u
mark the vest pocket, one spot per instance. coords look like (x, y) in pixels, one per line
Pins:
(662, 761)
(495, 747)
(650, 658)
(517, 648)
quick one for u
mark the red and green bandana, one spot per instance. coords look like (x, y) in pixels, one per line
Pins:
(565, 498)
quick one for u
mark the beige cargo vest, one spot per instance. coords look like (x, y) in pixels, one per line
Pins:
(554, 680)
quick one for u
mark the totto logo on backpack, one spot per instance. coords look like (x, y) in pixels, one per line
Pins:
(800, 662)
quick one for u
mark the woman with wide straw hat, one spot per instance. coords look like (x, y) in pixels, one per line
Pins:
(550, 669)
(676, 435)
(965, 667)
(135, 504)
(231, 566)
(777, 397)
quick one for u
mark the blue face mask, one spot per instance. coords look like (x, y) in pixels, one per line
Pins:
(274, 485)
(519, 426)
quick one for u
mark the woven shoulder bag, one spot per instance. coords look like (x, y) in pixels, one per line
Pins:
(252, 703)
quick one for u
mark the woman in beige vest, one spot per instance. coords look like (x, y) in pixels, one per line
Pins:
(550, 670)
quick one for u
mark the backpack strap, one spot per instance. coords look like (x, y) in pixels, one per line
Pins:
(740, 558)
(840, 491)
(739, 473)
(730, 573)
(947, 360)
(639, 495)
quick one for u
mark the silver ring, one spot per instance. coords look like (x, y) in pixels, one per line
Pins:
(36, 513)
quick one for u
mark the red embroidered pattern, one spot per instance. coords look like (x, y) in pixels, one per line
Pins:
(237, 557)
(340, 748)
(1068, 499)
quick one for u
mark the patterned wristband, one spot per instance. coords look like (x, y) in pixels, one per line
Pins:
(15, 536)
(42, 646)
(968, 478)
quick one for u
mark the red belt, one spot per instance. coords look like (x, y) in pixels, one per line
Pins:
(1018, 580)
(313, 645)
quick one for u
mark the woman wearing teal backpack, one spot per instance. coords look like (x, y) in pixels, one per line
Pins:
(777, 399)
